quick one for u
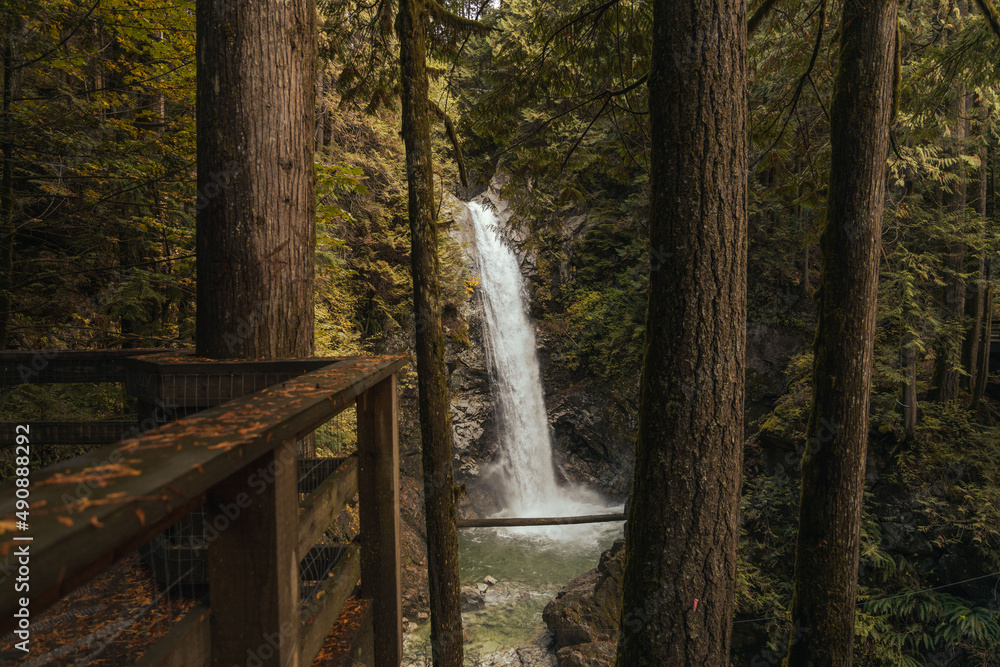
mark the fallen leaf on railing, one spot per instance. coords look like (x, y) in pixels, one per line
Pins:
(65, 520)
(95, 523)
(96, 475)
(141, 515)
(226, 445)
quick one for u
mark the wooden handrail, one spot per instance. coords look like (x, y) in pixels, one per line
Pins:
(102, 432)
(53, 366)
(133, 490)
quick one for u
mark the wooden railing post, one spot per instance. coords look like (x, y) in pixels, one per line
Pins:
(378, 493)
(252, 565)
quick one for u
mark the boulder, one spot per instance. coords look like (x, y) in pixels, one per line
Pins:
(472, 599)
(588, 609)
(591, 654)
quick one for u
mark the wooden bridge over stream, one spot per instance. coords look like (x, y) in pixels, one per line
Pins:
(233, 451)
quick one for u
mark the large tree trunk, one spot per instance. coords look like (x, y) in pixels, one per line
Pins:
(256, 182)
(947, 365)
(682, 530)
(432, 378)
(833, 467)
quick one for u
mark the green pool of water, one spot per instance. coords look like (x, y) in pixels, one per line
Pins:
(530, 566)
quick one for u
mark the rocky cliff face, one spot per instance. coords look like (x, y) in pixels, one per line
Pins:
(591, 438)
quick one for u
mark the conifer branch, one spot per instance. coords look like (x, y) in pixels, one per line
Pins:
(454, 21)
(802, 81)
(608, 96)
(449, 129)
(599, 10)
(989, 10)
(759, 15)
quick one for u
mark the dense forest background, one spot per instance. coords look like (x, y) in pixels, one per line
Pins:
(98, 201)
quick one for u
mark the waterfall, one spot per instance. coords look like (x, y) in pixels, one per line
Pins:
(525, 445)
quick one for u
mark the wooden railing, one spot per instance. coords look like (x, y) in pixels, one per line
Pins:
(19, 367)
(219, 457)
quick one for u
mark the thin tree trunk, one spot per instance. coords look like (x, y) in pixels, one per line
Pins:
(984, 353)
(908, 351)
(975, 302)
(947, 365)
(320, 108)
(682, 530)
(833, 466)
(909, 390)
(908, 364)
(432, 376)
(806, 284)
(256, 107)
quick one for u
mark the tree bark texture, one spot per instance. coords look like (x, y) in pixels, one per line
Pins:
(256, 181)
(833, 466)
(682, 531)
(435, 419)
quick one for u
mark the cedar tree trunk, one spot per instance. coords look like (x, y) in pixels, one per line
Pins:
(432, 377)
(256, 182)
(833, 466)
(682, 530)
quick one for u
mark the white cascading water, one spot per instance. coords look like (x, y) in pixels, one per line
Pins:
(531, 488)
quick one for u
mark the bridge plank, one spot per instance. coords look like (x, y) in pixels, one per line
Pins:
(320, 613)
(187, 644)
(325, 503)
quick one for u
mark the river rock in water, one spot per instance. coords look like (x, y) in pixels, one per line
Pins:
(472, 599)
